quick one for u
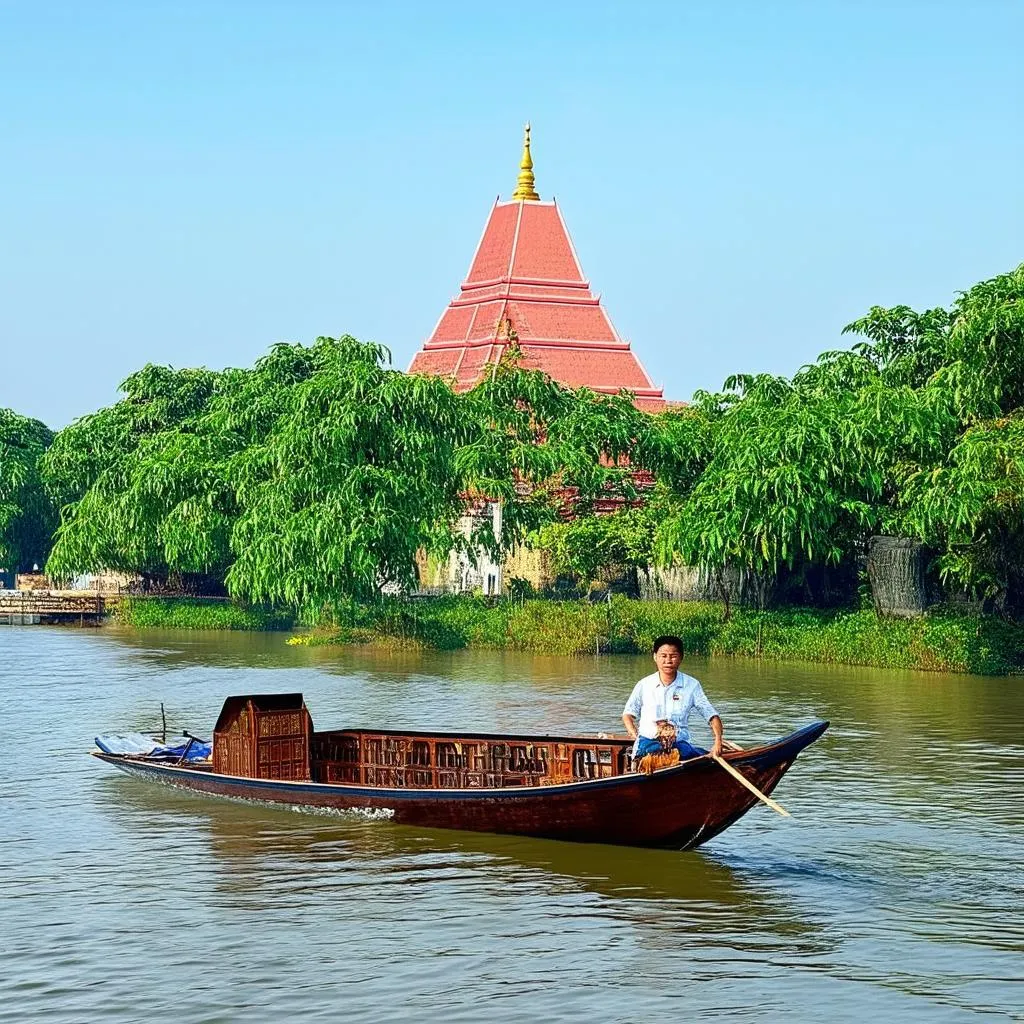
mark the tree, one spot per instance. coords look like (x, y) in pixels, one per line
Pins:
(962, 497)
(138, 482)
(800, 472)
(554, 455)
(586, 546)
(27, 517)
(971, 507)
(543, 449)
(349, 472)
(156, 398)
(318, 474)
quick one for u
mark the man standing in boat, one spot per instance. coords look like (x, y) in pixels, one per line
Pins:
(669, 695)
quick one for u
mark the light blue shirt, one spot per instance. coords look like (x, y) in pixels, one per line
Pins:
(652, 701)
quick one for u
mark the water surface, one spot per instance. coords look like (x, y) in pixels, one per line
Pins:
(895, 891)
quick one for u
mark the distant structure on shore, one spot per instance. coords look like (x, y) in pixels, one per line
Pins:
(526, 287)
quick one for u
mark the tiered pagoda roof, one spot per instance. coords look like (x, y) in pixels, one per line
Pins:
(526, 286)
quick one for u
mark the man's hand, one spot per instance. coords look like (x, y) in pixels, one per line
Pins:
(716, 748)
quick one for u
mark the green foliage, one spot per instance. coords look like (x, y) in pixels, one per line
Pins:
(353, 473)
(532, 441)
(315, 474)
(944, 642)
(676, 445)
(583, 546)
(970, 505)
(314, 477)
(139, 481)
(984, 364)
(318, 474)
(800, 470)
(913, 431)
(963, 496)
(156, 399)
(27, 517)
(190, 613)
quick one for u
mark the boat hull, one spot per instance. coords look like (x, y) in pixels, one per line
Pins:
(677, 808)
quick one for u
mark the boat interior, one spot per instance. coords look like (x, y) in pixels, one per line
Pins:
(271, 736)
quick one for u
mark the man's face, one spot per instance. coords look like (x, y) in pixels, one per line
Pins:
(667, 659)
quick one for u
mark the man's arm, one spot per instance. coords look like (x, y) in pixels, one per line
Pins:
(716, 731)
(631, 712)
(711, 716)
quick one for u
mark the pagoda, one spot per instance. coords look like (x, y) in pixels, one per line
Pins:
(526, 287)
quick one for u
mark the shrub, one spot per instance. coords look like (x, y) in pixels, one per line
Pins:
(196, 613)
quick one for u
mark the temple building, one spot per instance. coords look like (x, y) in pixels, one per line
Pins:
(525, 284)
(526, 287)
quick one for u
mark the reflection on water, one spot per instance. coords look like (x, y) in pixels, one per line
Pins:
(894, 892)
(254, 840)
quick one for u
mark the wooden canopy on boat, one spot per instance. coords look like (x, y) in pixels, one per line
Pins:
(263, 736)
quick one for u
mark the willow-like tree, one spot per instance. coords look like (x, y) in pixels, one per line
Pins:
(913, 431)
(543, 449)
(667, 453)
(965, 499)
(319, 474)
(311, 476)
(138, 482)
(801, 471)
(346, 471)
(27, 517)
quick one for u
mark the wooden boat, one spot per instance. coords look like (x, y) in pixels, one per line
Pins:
(574, 788)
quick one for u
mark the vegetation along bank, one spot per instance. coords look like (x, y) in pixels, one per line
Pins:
(941, 642)
(315, 479)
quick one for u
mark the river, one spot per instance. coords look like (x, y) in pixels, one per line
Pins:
(894, 892)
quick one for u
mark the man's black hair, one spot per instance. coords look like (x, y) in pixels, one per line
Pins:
(672, 641)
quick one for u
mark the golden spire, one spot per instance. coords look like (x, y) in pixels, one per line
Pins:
(525, 185)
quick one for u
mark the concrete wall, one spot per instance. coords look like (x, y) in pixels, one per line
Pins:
(461, 573)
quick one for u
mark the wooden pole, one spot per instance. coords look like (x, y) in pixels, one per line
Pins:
(743, 780)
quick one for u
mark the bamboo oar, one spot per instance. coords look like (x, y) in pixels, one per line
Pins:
(739, 777)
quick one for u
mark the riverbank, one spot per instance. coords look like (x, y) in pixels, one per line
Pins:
(940, 642)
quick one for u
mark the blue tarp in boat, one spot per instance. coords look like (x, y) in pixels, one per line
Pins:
(139, 744)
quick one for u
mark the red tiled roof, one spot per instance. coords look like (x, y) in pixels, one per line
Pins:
(544, 251)
(598, 370)
(525, 272)
(492, 254)
(439, 363)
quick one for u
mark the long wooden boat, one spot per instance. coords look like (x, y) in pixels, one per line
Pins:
(575, 788)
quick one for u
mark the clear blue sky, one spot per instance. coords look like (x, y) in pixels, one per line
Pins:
(188, 182)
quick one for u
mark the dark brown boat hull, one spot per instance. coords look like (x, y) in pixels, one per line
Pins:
(678, 808)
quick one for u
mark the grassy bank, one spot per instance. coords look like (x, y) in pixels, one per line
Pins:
(942, 642)
(195, 613)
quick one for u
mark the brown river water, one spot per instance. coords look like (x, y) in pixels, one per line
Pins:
(895, 891)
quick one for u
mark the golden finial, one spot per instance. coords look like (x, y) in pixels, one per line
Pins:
(525, 185)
